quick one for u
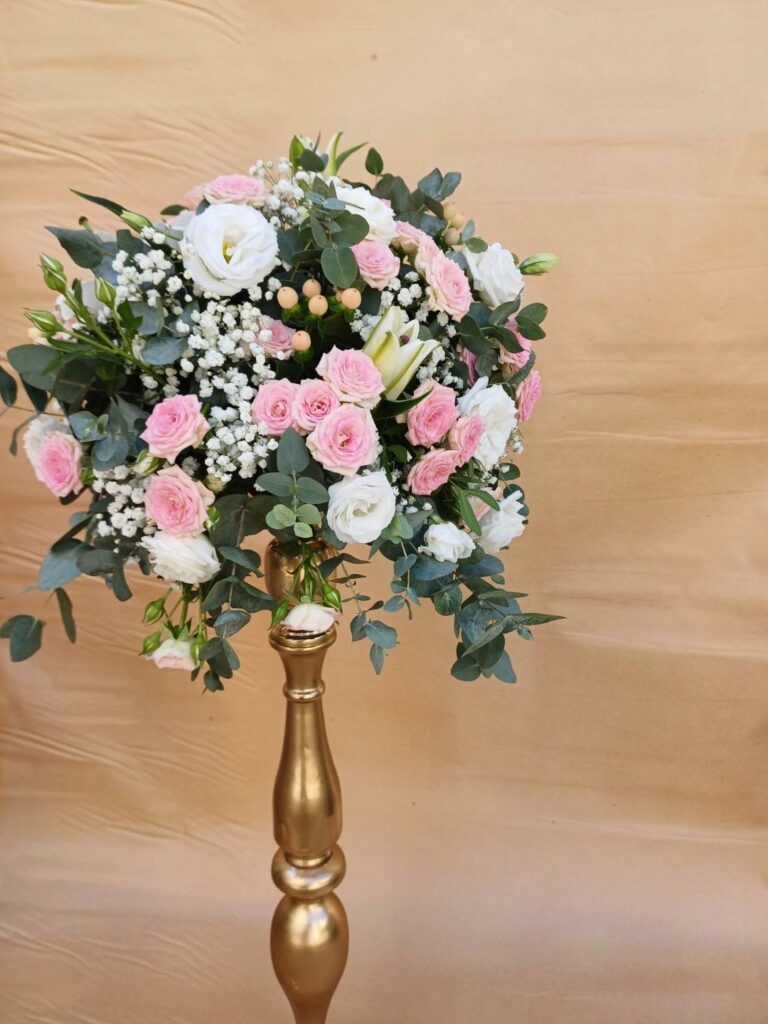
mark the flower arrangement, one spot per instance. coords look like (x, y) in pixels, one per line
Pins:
(286, 351)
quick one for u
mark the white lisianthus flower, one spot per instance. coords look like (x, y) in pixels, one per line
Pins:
(174, 654)
(499, 416)
(495, 275)
(229, 247)
(499, 527)
(447, 543)
(309, 617)
(182, 559)
(360, 507)
(380, 217)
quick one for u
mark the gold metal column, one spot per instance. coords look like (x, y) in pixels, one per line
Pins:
(310, 936)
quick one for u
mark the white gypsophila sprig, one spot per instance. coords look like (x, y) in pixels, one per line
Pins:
(124, 517)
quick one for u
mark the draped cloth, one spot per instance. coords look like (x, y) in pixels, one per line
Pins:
(587, 846)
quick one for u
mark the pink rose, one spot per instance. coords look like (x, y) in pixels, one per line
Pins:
(376, 262)
(236, 188)
(177, 503)
(527, 395)
(447, 287)
(353, 376)
(174, 653)
(516, 359)
(470, 361)
(280, 341)
(432, 470)
(175, 424)
(59, 462)
(273, 405)
(314, 400)
(465, 436)
(408, 237)
(430, 420)
(345, 441)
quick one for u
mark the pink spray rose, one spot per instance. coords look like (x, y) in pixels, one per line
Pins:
(175, 424)
(279, 344)
(177, 503)
(345, 441)
(465, 436)
(430, 420)
(236, 188)
(376, 262)
(409, 237)
(273, 405)
(313, 401)
(174, 654)
(516, 359)
(528, 394)
(447, 287)
(353, 376)
(432, 470)
(59, 462)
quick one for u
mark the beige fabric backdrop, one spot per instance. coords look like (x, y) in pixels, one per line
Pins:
(586, 847)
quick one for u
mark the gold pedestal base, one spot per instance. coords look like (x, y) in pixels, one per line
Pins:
(310, 935)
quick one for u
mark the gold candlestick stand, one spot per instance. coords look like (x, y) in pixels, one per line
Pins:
(310, 935)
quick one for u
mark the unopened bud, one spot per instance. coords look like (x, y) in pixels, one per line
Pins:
(540, 263)
(215, 484)
(135, 220)
(151, 643)
(53, 273)
(154, 610)
(105, 292)
(146, 463)
(43, 320)
(331, 596)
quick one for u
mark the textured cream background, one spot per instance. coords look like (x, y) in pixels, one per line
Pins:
(586, 847)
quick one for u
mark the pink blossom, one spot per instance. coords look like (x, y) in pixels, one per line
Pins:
(470, 360)
(465, 436)
(516, 359)
(432, 470)
(409, 237)
(236, 188)
(313, 401)
(353, 376)
(345, 441)
(59, 463)
(447, 287)
(528, 394)
(177, 503)
(430, 420)
(376, 262)
(280, 342)
(175, 424)
(174, 653)
(273, 405)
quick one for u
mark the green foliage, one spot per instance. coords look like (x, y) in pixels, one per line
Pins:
(25, 633)
(84, 247)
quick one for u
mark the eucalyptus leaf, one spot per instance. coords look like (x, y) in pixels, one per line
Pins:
(8, 387)
(339, 266)
(67, 618)
(83, 247)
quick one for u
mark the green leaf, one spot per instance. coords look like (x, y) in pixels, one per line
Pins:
(309, 514)
(303, 530)
(60, 565)
(34, 364)
(171, 211)
(529, 329)
(231, 622)
(164, 350)
(404, 563)
(276, 483)
(377, 658)
(476, 244)
(65, 608)
(535, 311)
(503, 669)
(387, 410)
(502, 313)
(425, 568)
(86, 427)
(212, 682)
(465, 669)
(311, 491)
(25, 633)
(8, 388)
(108, 204)
(381, 634)
(239, 517)
(447, 601)
(292, 454)
(352, 229)
(374, 163)
(242, 556)
(310, 161)
(484, 565)
(281, 517)
(83, 247)
(339, 266)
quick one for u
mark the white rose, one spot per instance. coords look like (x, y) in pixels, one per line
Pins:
(183, 559)
(495, 275)
(447, 543)
(360, 507)
(500, 527)
(229, 247)
(499, 419)
(34, 435)
(308, 617)
(174, 654)
(381, 219)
